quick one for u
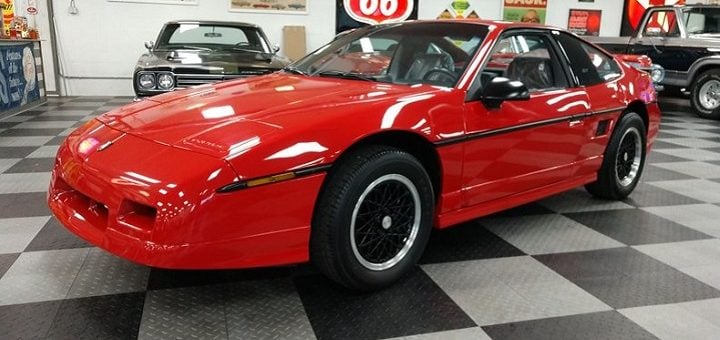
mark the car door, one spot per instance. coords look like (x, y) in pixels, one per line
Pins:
(662, 40)
(522, 145)
(599, 74)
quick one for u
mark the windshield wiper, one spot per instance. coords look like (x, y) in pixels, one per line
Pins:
(188, 47)
(345, 75)
(234, 48)
(293, 70)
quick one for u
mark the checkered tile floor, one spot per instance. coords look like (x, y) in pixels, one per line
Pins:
(567, 267)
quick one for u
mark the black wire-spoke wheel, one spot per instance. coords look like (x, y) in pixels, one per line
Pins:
(629, 157)
(373, 218)
(623, 161)
(385, 222)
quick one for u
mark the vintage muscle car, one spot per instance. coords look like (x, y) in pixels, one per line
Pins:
(350, 156)
(189, 53)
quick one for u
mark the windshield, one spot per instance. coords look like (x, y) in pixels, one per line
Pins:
(212, 37)
(702, 20)
(410, 53)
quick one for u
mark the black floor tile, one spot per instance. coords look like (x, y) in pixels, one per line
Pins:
(414, 305)
(665, 127)
(524, 210)
(34, 112)
(70, 107)
(624, 277)
(7, 125)
(601, 263)
(93, 99)
(668, 134)
(123, 100)
(717, 150)
(23, 205)
(648, 195)
(166, 278)
(32, 165)
(671, 119)
(469, 241)
(653, 173)
(6, 261)
(99, 317)
(16, 151)
(714, 130)
(56, 118)
(658, 157)
(635, 226)
(54, 236)
(658, 144)
(30, 132)
(57, 140)
(603, 325)
(27, 321)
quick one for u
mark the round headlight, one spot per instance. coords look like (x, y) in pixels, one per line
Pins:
(165, 81)
(146, 81)
(657, 73)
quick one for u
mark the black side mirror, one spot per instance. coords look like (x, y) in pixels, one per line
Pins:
(501, 89)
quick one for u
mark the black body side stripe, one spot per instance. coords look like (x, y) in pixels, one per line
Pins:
(312, 170)
(530, 125)
(239, 185)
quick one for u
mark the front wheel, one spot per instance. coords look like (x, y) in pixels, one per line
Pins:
(373, 218)
(705, 94)
(623, 161)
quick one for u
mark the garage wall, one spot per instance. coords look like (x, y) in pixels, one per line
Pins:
(557, 13)
(105, 39)
(99, 47)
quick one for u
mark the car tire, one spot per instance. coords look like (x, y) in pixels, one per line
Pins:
(705, 95)
(360, 237)
(623, 161)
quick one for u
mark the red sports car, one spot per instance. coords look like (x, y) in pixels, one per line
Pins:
(349, 157)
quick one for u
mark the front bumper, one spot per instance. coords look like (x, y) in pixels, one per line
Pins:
(169, 222)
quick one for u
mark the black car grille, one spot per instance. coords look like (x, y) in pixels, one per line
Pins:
(188, 80)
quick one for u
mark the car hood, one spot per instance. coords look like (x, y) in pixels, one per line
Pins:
(224, 119)
(217, 62)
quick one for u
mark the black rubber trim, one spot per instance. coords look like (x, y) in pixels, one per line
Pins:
(530, 125)
(239, 185)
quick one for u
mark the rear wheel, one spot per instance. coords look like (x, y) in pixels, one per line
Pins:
(373, 218)
(623, 161)
(705, 94)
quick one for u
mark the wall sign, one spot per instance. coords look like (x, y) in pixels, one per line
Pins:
(8, 13)
(162, 2)
(584, 21)
(269, 6)
(350, 14)
(459, 9)
(18, 80)
(378, 11)
(525, 11)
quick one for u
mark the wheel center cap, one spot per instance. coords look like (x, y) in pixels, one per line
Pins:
(625, 156)
(387, 222)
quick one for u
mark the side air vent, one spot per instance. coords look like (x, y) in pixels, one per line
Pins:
(602, 128)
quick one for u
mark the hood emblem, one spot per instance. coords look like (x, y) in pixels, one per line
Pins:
(105, 146)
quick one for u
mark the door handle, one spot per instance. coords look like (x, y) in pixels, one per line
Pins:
(575, 122)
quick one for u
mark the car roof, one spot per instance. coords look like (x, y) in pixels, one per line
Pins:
(686, 6)
(503, 25)
(213, 22)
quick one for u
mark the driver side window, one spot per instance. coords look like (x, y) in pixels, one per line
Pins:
(662, 24)
(528, 58)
